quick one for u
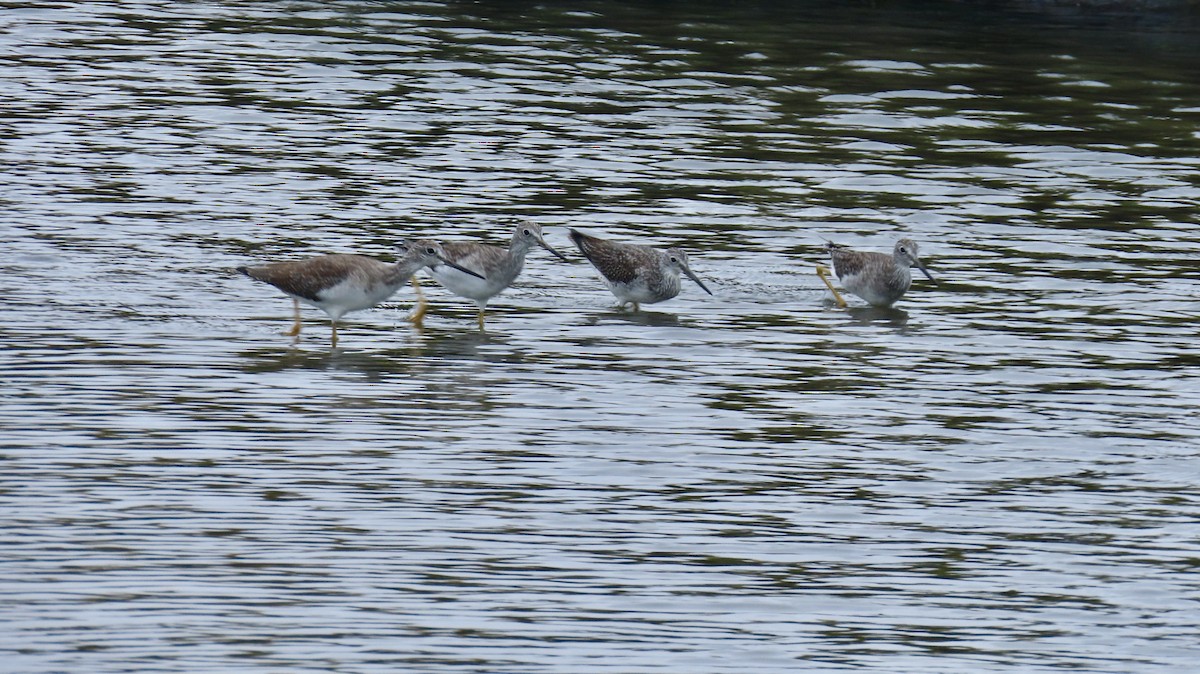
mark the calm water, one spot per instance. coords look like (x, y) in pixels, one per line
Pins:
(999, 475)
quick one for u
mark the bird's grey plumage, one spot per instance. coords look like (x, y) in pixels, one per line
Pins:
(636, 273)
(879, 278)
(499, 266)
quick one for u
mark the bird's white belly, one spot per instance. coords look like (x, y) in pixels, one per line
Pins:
(637, 290)
(349, 296)
(464, 285)
(876, 293)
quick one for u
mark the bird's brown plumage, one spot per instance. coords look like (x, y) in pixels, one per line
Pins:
(619, 263)
(307, 278)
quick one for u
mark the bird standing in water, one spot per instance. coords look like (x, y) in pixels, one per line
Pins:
(878, 278)
(636, 274)
(340, 283)
(492, 268)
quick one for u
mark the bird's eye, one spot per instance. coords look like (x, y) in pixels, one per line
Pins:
(674, 259)
(430, 251)
(528, 232)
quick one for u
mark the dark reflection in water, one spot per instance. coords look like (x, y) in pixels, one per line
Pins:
(997, 474)
(647, 317)
(891, 316)
(255, 361)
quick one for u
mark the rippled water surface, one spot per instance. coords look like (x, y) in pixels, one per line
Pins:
(1000, 474)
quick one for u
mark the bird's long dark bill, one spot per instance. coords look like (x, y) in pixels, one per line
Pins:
(697, 280)
(461, 268)
(925, 271)
(549, 248)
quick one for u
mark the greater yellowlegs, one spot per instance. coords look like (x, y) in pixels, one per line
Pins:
(636, 274)
(497, 267)
(878, 278)
(340, 283)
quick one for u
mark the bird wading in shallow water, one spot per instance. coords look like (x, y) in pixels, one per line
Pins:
(338, 284)
(493, 268)
(878, 278)
(636, 274)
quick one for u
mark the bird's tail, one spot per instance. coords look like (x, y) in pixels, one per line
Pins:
(582, 241)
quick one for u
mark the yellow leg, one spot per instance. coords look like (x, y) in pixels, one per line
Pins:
(418, 313)
(333, 336)
(417, 317)
(295, 331)
(823, 272)
(481, 319)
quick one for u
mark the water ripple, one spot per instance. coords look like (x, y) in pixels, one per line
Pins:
(998, 473)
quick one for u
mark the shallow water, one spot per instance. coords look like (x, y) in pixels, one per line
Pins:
(1000, 474)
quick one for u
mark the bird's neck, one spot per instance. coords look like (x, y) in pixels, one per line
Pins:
(672, 280)
(519, 247)
(399, 273)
